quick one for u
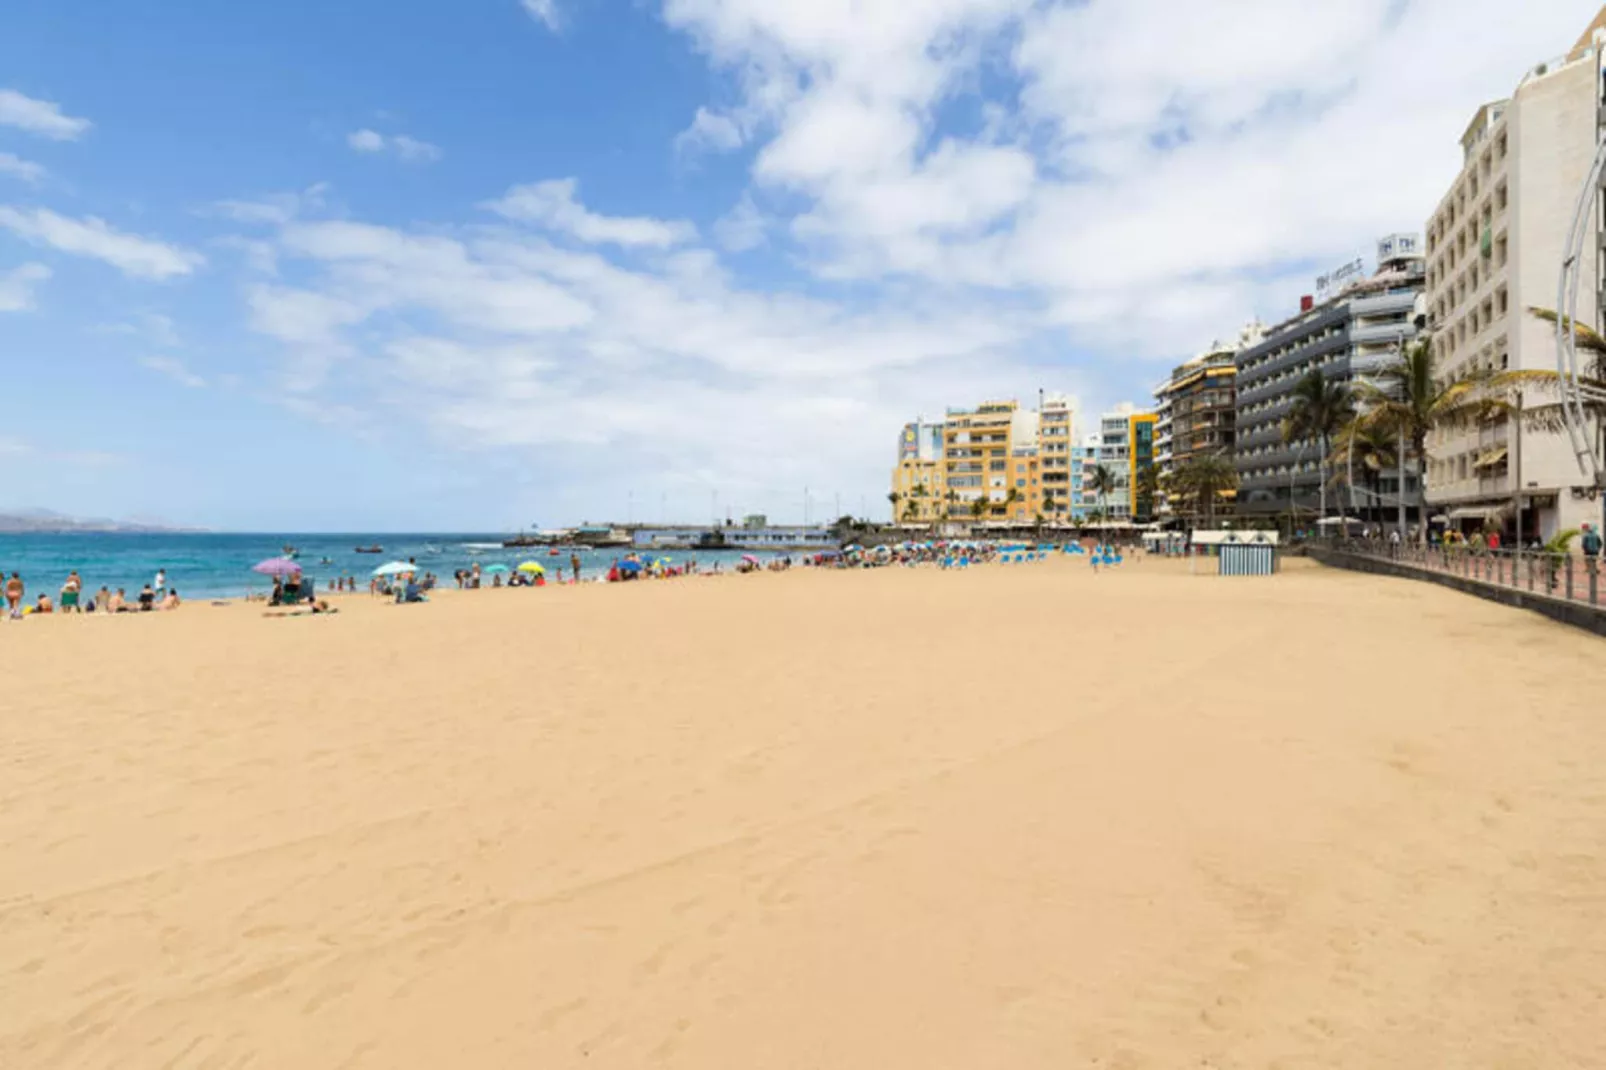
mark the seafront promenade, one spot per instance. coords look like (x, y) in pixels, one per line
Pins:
(1030, 816)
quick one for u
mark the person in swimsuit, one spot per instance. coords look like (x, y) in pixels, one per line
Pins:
(71, 591)
(14, 593)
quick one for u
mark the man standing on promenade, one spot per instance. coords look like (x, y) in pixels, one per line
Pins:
(1591, 547)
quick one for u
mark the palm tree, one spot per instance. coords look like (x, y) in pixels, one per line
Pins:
(1372, 447)
(1320, 409)
(979, 506)
(1148, 485)
(894, 498)
(1011, 498)
(1204, 479)
(910, 511)
(1102, 481)
(1408, 400)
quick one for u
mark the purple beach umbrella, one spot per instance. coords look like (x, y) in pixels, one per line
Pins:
(277, 566)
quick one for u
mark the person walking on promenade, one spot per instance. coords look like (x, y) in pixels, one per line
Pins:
(1591, 548)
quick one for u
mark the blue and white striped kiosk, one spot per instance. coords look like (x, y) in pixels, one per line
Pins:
(1237, 553)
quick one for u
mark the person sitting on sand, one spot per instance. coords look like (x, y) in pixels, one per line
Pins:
(117, 603)
(147, 599)
(43, 605)
(103, 599)
(171, 601)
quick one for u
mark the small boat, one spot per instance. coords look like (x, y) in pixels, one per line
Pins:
(368, 550)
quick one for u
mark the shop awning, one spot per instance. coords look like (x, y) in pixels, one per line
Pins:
(1476, 512)
(1490, 458)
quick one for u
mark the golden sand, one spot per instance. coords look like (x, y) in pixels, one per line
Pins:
(1015, 817)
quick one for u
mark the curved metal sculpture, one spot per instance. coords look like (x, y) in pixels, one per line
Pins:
(1574, 390)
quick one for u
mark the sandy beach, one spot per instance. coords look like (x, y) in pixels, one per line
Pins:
(1015, 817)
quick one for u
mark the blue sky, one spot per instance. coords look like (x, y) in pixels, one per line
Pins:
(475, 266)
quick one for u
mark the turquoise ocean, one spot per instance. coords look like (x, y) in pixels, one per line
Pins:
(219, 566)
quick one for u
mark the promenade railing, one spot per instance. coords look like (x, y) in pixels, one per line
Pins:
(1568, 576)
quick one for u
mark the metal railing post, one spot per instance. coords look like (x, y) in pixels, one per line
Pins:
(1569, 577)
(1594, 571)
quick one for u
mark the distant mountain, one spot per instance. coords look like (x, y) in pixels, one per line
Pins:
(44, 521)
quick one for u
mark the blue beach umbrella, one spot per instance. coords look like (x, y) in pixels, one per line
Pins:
(494, 568)
(630, 566)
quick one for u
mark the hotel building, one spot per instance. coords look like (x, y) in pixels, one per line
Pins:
(1349, 330)
(1494, 248)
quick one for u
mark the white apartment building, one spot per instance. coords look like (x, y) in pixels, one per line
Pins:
(1114, 453)
(1494, 250)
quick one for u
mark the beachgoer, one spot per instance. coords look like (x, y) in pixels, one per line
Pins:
(161, 579)
(14, 593)
(117, 603)
(171, 601)
(147, 599)
(43, 605)
(71, 591)
(103, 599)
(574, 566)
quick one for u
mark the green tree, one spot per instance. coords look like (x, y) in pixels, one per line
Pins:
(1011, 498)
(1321, 408)
(1407, 399)
(1365, 445)
(1203, 480)
(1148, 487)
(1102, 481)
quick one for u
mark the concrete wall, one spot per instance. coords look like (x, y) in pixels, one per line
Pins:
(1577, 614)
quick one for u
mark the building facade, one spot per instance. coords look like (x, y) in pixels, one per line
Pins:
(1196, 412)
(919, 481)
(1125, 445)
(994, 463)
(1494, 246)
(1350, 331)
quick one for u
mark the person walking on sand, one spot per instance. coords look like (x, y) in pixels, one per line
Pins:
(161, 581)
(14, 593)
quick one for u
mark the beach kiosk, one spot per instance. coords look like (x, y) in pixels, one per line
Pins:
(1237, 553)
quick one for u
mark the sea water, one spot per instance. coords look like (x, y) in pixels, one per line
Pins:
(219, 566)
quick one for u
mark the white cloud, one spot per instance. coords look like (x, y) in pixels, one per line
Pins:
(366, 141)
(710, 130)
(743, 228)
(174, 369)
(42, 117)
(1154, 171)
(274, 209)
(142, 258)
(407, 148)
(17, 167)
(544, 12)
(552, 205)
(17, 286)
